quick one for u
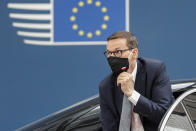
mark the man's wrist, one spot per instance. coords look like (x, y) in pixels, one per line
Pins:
(130, 93)
(134, 97)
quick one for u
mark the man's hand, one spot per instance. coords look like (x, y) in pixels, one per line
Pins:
(126, 81)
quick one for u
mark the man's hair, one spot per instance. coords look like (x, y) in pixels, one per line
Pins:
(131, 39)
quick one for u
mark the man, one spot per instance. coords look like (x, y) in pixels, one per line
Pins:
(137, 93)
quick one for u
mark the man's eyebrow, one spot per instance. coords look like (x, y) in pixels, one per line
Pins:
(115, 49)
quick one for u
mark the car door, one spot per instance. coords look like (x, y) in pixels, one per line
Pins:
(181, 116)
(87, 122)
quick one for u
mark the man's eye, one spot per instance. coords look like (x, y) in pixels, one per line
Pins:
(109, 53)
(118, 51)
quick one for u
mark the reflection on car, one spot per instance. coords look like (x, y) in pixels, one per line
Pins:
(84, 116)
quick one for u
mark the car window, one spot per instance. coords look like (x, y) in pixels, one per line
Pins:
(88, 122)
(190, 106)
(181, 116)
(178, 120)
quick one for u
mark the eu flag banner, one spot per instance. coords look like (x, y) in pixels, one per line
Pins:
(88, 20)
(69, 22)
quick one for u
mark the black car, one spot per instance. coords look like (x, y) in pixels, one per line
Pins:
(84, 116)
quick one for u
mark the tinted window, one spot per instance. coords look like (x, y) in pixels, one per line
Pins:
(88, 122)
(190, 106)
(178, 120)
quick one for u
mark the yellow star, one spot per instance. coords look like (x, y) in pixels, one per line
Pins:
(89, 35)
(106, 17)
(80, 32)
(104, 9)
(81, 3)
(75, 10)
(89, 1)
(72, 18)
(104, 26)
(97, 3)
(98, 32)
(75, 27)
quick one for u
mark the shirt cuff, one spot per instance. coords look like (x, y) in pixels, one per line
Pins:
(134, 97)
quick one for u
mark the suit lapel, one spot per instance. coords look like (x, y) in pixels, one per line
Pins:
(118, 96)
(140, 81)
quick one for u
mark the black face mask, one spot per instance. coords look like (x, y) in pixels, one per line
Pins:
(118, 65)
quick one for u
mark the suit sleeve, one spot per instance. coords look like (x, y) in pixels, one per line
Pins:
(162, 98)
(108, 120)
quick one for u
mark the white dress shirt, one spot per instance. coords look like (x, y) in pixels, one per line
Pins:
(135, 95)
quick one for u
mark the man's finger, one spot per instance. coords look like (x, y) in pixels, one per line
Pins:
(124, 73)
(119, 82)
(124, 77)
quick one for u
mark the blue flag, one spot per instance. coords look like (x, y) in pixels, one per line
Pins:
(88, 20)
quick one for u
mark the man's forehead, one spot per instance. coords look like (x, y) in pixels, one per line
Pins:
(119, 43)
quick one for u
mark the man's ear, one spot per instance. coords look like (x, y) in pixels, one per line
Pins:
(135, 53)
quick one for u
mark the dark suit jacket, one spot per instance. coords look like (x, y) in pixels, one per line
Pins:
(152, 82)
